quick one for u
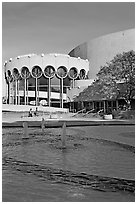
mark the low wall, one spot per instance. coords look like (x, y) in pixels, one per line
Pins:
(26, 108)
(56, 123)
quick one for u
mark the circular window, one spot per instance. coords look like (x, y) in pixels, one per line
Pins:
(82, 74)
(36, 72)
(8, 73)
(25, 72)
(73, 73)
(49, 72)
(16, 74)
(62, 72)
(9, 76)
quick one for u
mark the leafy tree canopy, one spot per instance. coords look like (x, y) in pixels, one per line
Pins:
(114, 80)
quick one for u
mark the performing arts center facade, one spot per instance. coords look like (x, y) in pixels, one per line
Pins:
(55, 79)
(33, 79)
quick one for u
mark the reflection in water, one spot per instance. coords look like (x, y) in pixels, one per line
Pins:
(86, 154)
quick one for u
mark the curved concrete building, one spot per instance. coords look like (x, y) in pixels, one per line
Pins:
(58, 78)
(103, 49)
(43, 77)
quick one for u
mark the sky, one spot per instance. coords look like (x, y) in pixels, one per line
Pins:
(58, 27)
(48, 27)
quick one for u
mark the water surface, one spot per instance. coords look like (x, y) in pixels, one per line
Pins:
(102, 150)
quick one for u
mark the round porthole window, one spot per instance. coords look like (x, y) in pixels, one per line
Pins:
(62, 72)
(73, 73)
(8, 73)
(15, 74)
(49, 72)
(25, 72)
(82, 74)
(9, 76)
(36, 72)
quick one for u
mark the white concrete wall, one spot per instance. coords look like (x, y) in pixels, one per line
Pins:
(103, 49)
(55, 60)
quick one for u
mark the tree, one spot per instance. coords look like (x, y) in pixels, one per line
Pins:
(114, 80)
(118, 76)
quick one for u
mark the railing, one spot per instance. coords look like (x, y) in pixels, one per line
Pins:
(98, 113)
(80, 111)
(88, 112)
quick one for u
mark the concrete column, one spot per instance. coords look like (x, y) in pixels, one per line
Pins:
(18, 92)
(49, 91)
(6, 93)
(16, 97)
(36, 92)
(9, 93)
(61, 93)
(73, 83)
(25, 91)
